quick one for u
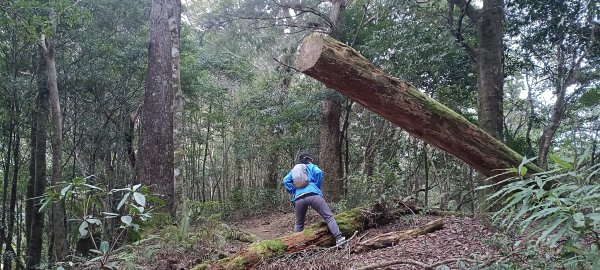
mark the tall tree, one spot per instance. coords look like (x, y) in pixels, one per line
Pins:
(330, 141)
(178, 135)
(558, 41)
(34, 230)
(59, 233)
(154, 163)
(487, 57)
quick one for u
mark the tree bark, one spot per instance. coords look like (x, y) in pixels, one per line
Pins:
(154, 162)
(178, 135)
(487, 57)
(490, 79)
(330, 158)
(61, 249)
(8, 141)
(37, 170)
(345, 70)
(13, 190)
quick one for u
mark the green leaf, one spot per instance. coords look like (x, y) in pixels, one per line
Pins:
(93, 187)
(139, 198)
(94, 221)
(104, 247)
(156, 200)
(594, 217)
(110, 215)
(123, 200)
(579, 219)
(78, 181)
(45, 204)
(551, 228)
(64, 191)
(96, 251)
(561, 163)
(83, 228)
(127, 220)
(120, 189)
(557, 236)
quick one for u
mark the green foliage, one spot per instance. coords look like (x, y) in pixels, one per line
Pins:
(84, 203)
(557, 208)
(386, 183)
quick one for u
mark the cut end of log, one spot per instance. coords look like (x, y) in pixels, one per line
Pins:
(310, 51)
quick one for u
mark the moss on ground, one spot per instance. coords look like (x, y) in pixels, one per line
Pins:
(236, 263)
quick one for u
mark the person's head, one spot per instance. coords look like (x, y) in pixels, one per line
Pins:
(305, 158)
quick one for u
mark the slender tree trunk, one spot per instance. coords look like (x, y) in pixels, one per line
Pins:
(20, 230)
(344, 137)
(61, 249)
(425, 163)
(154, 162)
(13, 190)
(178, 134)
(369, 155)
(37, 170)
(530, 120)
(6, 177)
(204, 160)
(557, 111)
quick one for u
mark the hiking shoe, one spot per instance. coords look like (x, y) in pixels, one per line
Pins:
(341, 242)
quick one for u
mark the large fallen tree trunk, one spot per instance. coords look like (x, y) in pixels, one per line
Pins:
(351, 221)
(343, 69)
(357, 219)
(393, 238)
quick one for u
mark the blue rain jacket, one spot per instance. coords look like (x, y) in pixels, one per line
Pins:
(315, 179)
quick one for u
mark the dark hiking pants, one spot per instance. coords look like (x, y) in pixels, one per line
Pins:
(318, 203)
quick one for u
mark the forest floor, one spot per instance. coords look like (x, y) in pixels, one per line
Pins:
(462, 237)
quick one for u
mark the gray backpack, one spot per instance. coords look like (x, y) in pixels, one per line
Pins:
(300, 176)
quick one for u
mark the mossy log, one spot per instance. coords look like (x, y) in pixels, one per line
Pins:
(392, 238)
(357, 219)
(343, 69)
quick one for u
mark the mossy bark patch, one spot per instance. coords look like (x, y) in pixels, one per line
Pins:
(350, 221)
(268, 247)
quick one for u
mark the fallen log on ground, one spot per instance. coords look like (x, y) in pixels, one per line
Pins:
(343, 69)
(358, 219)
(392, 238)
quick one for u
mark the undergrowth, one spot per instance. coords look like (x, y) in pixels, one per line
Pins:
(552, 216)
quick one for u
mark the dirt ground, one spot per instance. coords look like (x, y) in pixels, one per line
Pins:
(461, 237)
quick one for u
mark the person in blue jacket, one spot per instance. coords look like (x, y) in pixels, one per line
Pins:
(311, 195)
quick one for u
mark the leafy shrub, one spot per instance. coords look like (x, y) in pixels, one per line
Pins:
(84, 203)
(556, 209)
